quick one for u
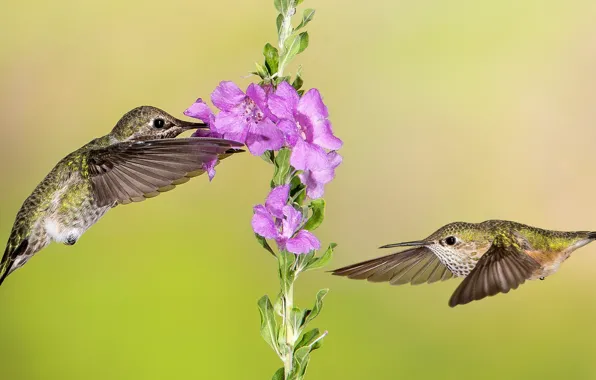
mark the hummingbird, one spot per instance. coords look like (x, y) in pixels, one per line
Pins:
(140, 158)
(493, 257)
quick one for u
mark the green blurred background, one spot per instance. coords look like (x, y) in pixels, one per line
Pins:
(449, 110)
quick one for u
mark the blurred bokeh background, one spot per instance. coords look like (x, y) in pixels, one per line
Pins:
(449, 110)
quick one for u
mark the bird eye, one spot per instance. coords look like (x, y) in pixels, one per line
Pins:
(451, 240)
(158, 123)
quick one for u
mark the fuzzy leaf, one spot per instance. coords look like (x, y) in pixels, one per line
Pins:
(278, 21)
(297, 190)
(301, 359)
(297, 319)
(268, 156)
(303, 39)
(319, 262)
(279, 374)
(286, 274)
(271, 58)
(307, 338)
(282, 168)
(261, 71)
(263, 242)
(318, 306)
(298, 82)
(268, 322)
(318, 214)
(307, 17)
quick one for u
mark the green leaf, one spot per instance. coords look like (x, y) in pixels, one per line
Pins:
(307, 17)
(261, 71)
(298, 2)
(279, 374)
(298, 82)
(286, 273)
(278, 21)
(282, 6)
(282, 168)
(263, 242)
(297, 319)
(278, 305)
(319, 262)
(307, 338)
(297, 190)
(318, 214)
(318, 306)
(268, 156)
(301, 359)
(303, 41)
(292, 47)
(268, 322)
(271, 58)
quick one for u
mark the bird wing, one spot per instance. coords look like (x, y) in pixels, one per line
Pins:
(133, 171)
(415, 266)
(500, 269)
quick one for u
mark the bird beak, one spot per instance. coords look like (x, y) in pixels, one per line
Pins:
(187, 125)
(419, 243)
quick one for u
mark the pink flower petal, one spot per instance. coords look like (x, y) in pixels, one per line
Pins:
(307, 156)
(209, 167)
(231, 126)
(315, 180)
(200, 110)
(303, 242)
(227, 96)
(263, 136)
(312, 104)
(291, 222)
(277, 199)
(284, 101)
(290, 132)
(263, 224)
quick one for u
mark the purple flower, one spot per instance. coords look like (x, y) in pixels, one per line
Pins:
(280, 221)
(246, 117)
(315, 179)
(200, 110)
(305, 125)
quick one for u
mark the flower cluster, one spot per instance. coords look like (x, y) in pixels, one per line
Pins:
(278, 220)
(265, 119)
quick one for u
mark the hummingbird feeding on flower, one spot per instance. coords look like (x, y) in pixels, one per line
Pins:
(494, 256)
(138, 159)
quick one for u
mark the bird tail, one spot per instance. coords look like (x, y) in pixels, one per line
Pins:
(11, 252)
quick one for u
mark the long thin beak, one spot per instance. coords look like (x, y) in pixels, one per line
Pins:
(187, 125)
(419, 243)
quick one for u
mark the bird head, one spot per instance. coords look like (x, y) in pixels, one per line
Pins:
(150, 123)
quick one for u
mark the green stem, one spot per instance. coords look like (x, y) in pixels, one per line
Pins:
(285, 31)
(289, 332)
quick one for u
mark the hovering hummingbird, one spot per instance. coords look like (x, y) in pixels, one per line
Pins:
(494, 256)
(138, 159)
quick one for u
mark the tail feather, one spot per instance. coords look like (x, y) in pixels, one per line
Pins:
(10, 254)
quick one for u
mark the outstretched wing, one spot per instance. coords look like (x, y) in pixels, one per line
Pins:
(415, 266)
(133, 171)
(500, 269)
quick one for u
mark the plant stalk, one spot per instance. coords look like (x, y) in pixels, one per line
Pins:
(289, 332)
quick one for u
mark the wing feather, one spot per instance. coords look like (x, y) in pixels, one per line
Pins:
(132, 171)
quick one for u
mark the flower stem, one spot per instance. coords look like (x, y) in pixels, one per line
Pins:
(289, 332)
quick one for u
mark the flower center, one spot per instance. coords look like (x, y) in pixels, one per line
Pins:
(301, 130)
(252, 111)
